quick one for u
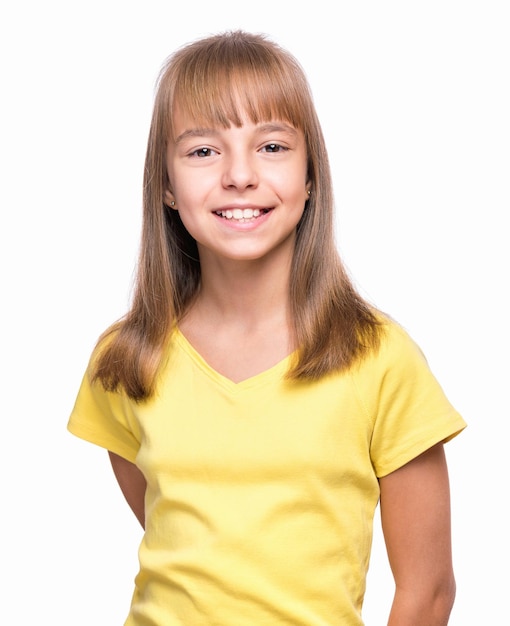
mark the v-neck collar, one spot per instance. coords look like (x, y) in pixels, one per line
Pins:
(275, 372)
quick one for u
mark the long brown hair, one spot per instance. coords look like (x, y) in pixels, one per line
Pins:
(211, 79)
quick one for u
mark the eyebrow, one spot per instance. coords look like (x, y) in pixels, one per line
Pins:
(263, 128)
(278, 127)
(195, 132)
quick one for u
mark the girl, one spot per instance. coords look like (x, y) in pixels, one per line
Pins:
(254, 406)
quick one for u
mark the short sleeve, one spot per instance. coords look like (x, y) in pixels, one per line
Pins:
(105, 419)
(409, 408)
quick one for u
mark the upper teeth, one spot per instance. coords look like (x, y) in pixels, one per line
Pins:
(239, 214)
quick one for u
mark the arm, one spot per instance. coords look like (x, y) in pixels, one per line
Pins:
(132, 484)
(415, 515)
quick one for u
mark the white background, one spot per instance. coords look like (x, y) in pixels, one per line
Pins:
(414, 100)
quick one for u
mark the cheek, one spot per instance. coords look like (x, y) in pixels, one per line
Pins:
(297, 174)
(192, 187)
(295, 183)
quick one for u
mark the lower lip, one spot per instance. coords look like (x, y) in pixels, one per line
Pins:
(248, 224)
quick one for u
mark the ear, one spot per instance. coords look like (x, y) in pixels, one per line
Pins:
(308, 190)
(169, 199)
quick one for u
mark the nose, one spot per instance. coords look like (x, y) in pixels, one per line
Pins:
(240, 171)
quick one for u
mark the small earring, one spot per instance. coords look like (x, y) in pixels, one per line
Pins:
(172, 204)
(308, 191)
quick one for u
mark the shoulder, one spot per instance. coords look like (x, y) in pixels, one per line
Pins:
(396, 348)
(397, 373)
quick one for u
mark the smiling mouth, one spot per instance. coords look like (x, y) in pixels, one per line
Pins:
(242, 215)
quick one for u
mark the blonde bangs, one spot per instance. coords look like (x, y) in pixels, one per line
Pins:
(219, 87)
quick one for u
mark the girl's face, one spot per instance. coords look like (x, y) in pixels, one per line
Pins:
(240, 192)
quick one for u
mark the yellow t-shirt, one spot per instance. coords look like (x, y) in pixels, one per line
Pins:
(261, 495)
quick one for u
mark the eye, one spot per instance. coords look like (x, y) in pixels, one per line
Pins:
(202, 152)
(273, 147)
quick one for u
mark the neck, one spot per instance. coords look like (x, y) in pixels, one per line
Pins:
(240, 322)
(249, 293)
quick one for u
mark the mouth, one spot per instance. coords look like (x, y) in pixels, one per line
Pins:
(242, 215)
